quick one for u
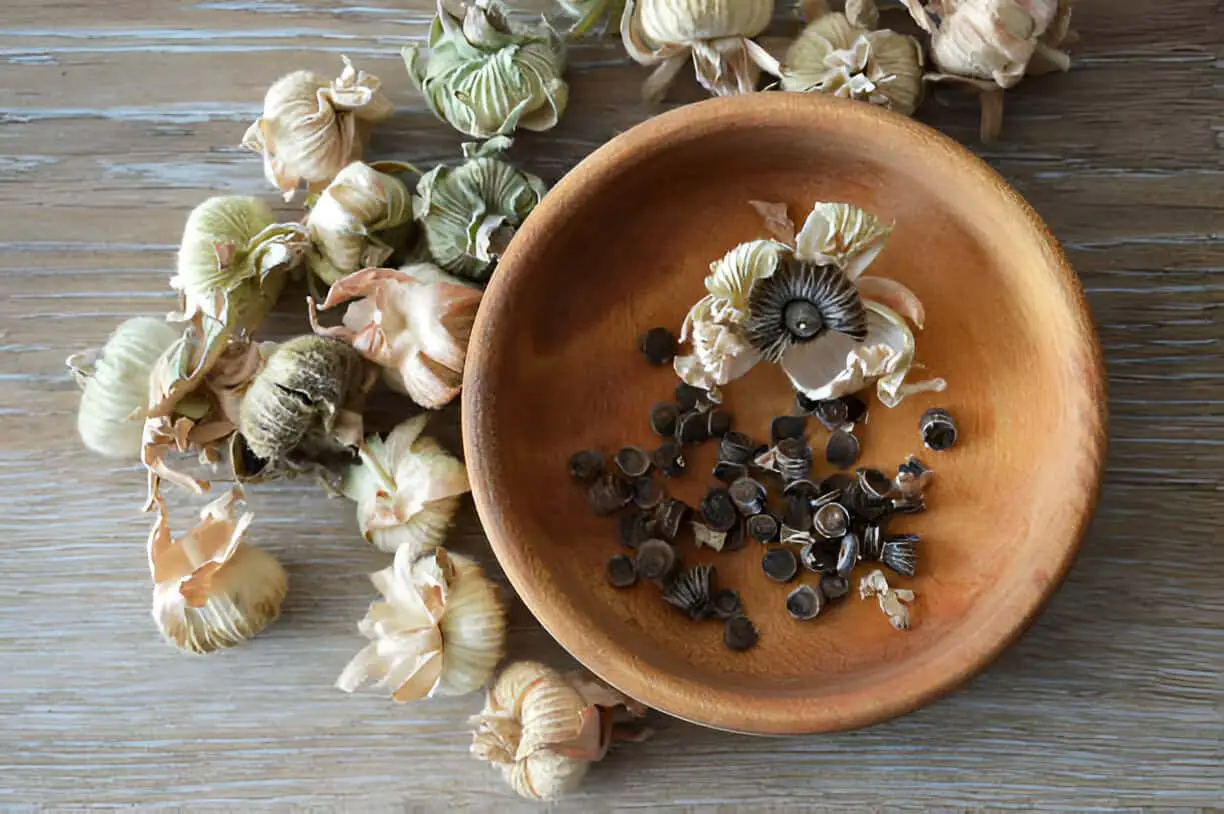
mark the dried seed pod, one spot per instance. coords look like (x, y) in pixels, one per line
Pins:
(862, 505)
(663, 418)
(847, 554)
(656, 561)
(787, 426)
(726, 603)
(893, 601)
(831, 520)
(633, 462)
(704, 536)
(692, 427)
(842, 449)
(804, 603)
(633, 528)
(359, 221)
(874, 483)
(585, 466)
(690, 397)
(794, 458)
(658, 345)
(668, 517)
(912, 478)
(837, 483)
(780, 564)
(798, 512)
(621, 572)
(646, 493)
(792, 536)
(736, 448)
(873, 541)
(718, 510)
(691, 591)
(898, 554)
(817, 556)
(938, 429)
(832, 413)
(802, 486)
(728, 472)
(763, 528)
(609, 494)
(748, 496)
(834, 587)
(718, 423)
(668, 458)
(739, 634)
(735, 538)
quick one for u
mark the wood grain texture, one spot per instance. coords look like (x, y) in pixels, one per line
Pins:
(116, 118)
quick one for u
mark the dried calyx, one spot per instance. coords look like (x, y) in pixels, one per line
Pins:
(715, 34)
(485, 77)
(439, 629)
(987, 46)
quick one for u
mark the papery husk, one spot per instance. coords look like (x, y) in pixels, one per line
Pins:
(211, 590)
(313, 127)
(715, 34)
(469, 213)
(361, 219)
(439, 629)
(114, 384)
(893, 601)
(486, 77)
(415, 323)
(407, 489)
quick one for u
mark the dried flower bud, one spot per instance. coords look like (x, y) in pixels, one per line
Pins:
(312, 128)
(114, 382)
(470, 212)
(715, 33)
(484, 76)
(438, 630)
(415, 323)
(407, 489)
(210, 589)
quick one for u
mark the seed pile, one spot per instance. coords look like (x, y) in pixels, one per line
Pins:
(758, 491)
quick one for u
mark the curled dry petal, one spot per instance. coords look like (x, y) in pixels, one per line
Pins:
(892, 294)
(841, 234)
(312, 128)
(361, 219)
(893, 601)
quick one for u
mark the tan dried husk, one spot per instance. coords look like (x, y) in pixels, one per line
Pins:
(312, 128)
(715, 34)
(894, 602)
(212, 590)
(543, 729)
(440, 628)
(360, 220)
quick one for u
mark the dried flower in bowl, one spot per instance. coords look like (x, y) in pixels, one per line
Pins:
(210, 588)
(415, 323)
(987, 46)
(543, 729)
(469, 213)
(715, 34)
(361, 219)
(407, 489)
(485, 77)
(438, 630)
(313, 127)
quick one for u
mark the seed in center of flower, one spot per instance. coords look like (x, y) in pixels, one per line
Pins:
(802, 319)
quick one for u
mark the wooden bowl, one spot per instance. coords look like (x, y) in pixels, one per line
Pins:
(622, 244)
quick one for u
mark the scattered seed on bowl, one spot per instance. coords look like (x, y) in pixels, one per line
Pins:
(874, 483)
(834, 587)
(633, 527)
(842, 449)
(663, 418)
(718, 510)
(831, 520)
(668, 458)
(656, 561)
(848, 553)
(856, 409)
(787, 426)
(586, 466)
(912, 477)
(718, 423)
(728, 472)
(748, 495)
(938, 429)
(647, 494)
(780, 564)
(762, 527)
(837, 483)
(609, 494)
(633, 462)
(793, 458)
(739, 634)
(798, 514)
(692, 427)
(792, 536)
(706, 537)
(669, 516)
(658, 345)
(804, 603)
(622, 573)
(898, 554)
(873, 541)
(726, 603)
(819, 557)
(690, 398)
(691, 591)
(736, 448)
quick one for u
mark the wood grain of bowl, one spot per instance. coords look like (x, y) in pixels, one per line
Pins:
(622, 244)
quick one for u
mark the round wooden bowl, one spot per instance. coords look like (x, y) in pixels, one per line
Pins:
(622, 244)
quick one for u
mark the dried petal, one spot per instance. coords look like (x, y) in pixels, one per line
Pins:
(360, 220)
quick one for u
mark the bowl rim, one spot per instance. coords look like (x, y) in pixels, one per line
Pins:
(619, 666)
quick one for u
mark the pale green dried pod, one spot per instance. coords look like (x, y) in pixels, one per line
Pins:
(486, 77)
(469, 213)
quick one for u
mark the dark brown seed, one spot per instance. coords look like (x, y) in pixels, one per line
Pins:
(873, 541)
(819, 557)
(692, 428)
(633, 527)
(801, 486)
(792, 536)
(748, 496)
(780, 564)
(646, 493)
(762, 527)
(834, 587)
(913, 467)
(608, 494)
(838, 482)
(735, 538)
(847, 556)
(938, 429)
(874, 483)
(622, 573)
(735, 447)
(831, 520)
(787, 426)
(728, 472)
(663, 418)
(856, 409)
(898, 554)
(668, 458)
(718, 510)
(842, 450)
(726, 603)
(739, 634)
(798, 512)
(804, 603)
(832, 413)
(718, 423)
(658, 345)
(656, 561)
(863, 506)
(691, 591)
(669, 517)
(586, 466)
(688, 397)
(633, 462)
(794, 458)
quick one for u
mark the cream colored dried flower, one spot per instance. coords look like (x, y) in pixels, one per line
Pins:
(543, 729)
(312, 128)
(407, 489)
(839, 54)
(415, 323)
(893, 601)
(486, 77)
(715, 34)
(114, 384)
(361, 219)
(439, 629)
(210, 589)
(987, 46)
(469, 213)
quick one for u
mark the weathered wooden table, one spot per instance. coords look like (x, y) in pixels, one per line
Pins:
(116, 118)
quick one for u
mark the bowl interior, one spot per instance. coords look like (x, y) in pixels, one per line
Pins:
(623, 245)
